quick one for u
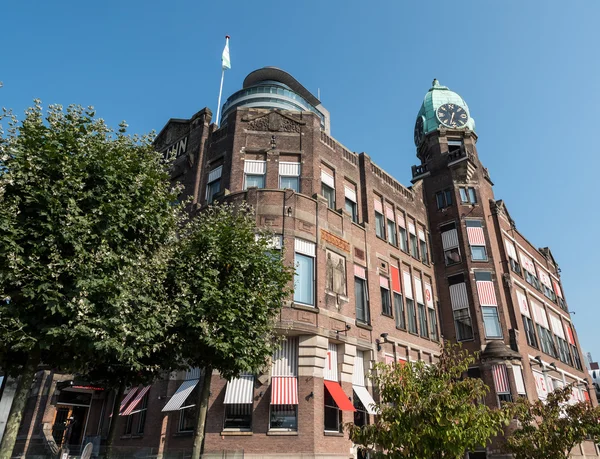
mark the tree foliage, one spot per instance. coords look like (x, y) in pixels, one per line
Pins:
(85, 214)
(550, 429)
(429, 411)
(228, 285)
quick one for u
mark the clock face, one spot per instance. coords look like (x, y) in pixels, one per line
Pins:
(419, 130)
(452, 115)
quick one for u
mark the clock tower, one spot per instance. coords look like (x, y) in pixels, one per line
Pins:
(465, 240)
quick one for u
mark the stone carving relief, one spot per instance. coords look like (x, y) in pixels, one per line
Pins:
(274, 122)
(335, 274)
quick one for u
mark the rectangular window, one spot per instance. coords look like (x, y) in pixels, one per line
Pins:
(443, 199)
(254, 174)
(351, 202)
(328, 187)
(450, 244)
(491, 322)
(462, 323)
(414, 249)
(563, 350)
(412, 316)
(423, 247)
(214, 184)
(529, 331)
(546, 340)
(399, 310)
(384, 287)
(424, 331)
(304, 277)
(284, 417)
(361, 416)
(402, 236)
(476, 238)
(143, 409)
(352, 209)
(576, 358)
(360, 294)
(289, 175)
(432, 324)
(391, 232)
(187, 419)
(467, 195)
(238, 416)
(333, 415)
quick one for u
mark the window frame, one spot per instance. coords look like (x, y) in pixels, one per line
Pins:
(403, 240)
(481, 248)
(386, 300)
(529, 330)
(353, 209)
(365, 296)
(283, 429)
(423, 326)
(250, 416)
(391, 232)
(496, 317)
(399, 310)
(261, 176)
(329, 196)
(313, 286)
(458, 325)
(411, 313)
(210, 192)
(380, 226)
(334, 409)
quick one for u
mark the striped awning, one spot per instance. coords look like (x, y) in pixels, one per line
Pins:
(544, 277)
(419, 290)
(519, 382)
(522, 299)
(289, 169)
(400, 220)
(215, 174)
(240, 390)
(486, 293)
(127, 399)
(412, 229)
(421, 235)
(407, 285)
(557, 289)
(181, 395)
(539, 314)
(458, 296)
(378, 206)
(255, 167)
(450, 239)
(339, 396)
(510, 249)
(363, 394)
(501, 379)
(359, 271)
(556, 325)
(327, 179)
(389, 213)
(284, 390)
(136, 401)
(350, 193)
(527, 263)
(475, 235)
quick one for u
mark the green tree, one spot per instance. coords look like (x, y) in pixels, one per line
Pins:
(429, 411)
(84, 213)
(550, 429)
(229, 286)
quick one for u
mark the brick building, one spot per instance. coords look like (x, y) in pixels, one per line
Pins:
(384, 272)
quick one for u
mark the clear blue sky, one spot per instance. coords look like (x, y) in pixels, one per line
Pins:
(529, 71)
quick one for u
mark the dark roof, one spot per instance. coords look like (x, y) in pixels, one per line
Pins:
(273, 73)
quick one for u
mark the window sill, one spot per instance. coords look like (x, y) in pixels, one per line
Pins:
(184, 434)
(400, 328)
(389, 316)
(304, 307)
(333, 434)
(131, 436)
(282, 433)
(363, 325)
(245, 433)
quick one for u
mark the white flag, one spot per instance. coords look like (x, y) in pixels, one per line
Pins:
(225, 58)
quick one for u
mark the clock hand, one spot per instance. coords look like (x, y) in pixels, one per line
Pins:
(452, 118)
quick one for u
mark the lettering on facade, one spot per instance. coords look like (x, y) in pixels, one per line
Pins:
(177, 149)
(335, 240)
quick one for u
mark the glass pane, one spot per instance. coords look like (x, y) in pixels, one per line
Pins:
(238, 416)
(424, 255)
(212, 189)
(391, 228)
(403, 244)
(329, 194)
(379, 225)
(439, 198)
(491, 322)
(422, 321)
(289, 182)
(284, 417)
(462, 322)
(463, 195)
(386, 307)
(399, 310)
(472, 196)
(360, 294)
(412, 316)
(478, 253)
(432, 325)
(304, 280)
(257, 181)
(351, 209)
(414, 250)
(448, 195)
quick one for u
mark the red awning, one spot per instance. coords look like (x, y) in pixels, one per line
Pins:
(136, 402)
(126, 400)
(284, 390)
(339, 396)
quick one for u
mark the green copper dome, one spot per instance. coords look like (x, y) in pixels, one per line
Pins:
(437, 96)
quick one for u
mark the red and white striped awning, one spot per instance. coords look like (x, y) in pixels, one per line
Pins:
(127, 399)
(476, 236)
(486, 293)
(501, 379)
(557, 289)
(284, 390)
(136, 401)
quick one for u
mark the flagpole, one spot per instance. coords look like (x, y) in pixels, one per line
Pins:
(220, 94)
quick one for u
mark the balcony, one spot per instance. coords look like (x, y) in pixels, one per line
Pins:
(419, 171)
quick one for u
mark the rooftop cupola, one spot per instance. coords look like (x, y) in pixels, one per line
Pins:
(442, 107)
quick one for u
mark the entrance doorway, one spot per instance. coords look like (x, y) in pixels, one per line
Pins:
(68, 426)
